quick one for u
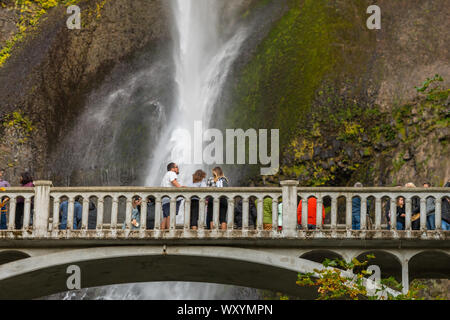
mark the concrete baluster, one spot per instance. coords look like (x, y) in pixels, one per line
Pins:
(128, 209)
(216, 205)
(100, 211)
(173, 213)
(12, 213)
(405, 276)
(55, 222)
(70, 212)
(289, 190)
(363, 218)
(274, 214)
(438, 213)
(305, 200)
(319, 214)
(143, 222)
(27, 214)
(333, 213)
(408, 213)
(423, 213)
(201, 214)
(230, 214)
(114, 212)
(260, 214)
(187, 214)
(245, 213)
(158, 212)
(348, 212)
(42, 206)
(393, 211)
(377, 213)
(85, 215)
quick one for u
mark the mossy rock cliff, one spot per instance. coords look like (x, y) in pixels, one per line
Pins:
(344, 96)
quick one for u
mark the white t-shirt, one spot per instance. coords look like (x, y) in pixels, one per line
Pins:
(166, 182)
(168, 178)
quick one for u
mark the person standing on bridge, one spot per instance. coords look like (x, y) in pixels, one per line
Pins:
(356, 209)
(401, 213)
(430, 207)
(170, 180)
(198, 181)
(77, 213)
(135, 213)
(312, 213)
(218, 181)
(415, 208)
(3, 212)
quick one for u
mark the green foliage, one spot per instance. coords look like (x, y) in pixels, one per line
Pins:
(432, 88)
(288, 68)
(21, 123)
(331, 282)
(31, 13)
(398, 163)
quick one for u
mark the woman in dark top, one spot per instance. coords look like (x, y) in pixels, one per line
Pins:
(401, 213)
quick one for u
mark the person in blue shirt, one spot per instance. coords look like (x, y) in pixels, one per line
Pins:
(77, 214)
(356, 209)
(135, 213)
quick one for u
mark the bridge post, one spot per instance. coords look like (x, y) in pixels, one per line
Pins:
(405, 276)
(289, 188)
(41, 207)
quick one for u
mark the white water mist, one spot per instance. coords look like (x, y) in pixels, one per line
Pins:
(203, 55)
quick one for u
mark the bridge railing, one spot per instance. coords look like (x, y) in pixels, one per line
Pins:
(103, 207)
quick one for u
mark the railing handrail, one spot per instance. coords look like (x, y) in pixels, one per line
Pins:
(43, 192)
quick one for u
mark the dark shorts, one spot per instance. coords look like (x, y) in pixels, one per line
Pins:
(166, 208)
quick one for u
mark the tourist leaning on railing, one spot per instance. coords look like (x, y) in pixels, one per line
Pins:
(135, 213)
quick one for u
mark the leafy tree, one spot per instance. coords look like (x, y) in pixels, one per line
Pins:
(338, 281)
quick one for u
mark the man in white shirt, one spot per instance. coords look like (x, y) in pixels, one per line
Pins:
(170, 180)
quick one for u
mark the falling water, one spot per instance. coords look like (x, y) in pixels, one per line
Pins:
(204, 50)
(205, 46)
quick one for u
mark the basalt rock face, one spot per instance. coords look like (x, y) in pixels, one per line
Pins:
(344, 96)
(50, 74)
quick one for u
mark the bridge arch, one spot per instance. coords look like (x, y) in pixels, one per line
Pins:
(45, 275)
(429, 264)
(8, 256)
(319, 255)
(389, 263)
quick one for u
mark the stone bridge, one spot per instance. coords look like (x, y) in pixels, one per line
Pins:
(34, 259)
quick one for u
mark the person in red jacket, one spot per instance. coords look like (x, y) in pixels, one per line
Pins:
(312, 207)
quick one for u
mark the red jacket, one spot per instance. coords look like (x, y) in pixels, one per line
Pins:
(312, 207)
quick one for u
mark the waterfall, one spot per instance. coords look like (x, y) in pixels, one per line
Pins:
(204, 49)
(206, 43)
